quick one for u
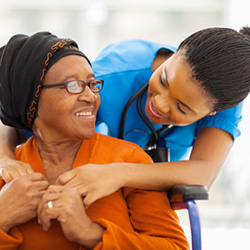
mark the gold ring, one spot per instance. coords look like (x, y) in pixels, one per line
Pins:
(50, 204)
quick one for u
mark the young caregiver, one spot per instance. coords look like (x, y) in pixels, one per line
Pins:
(197, 88)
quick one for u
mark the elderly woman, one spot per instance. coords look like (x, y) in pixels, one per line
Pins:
(48, 87)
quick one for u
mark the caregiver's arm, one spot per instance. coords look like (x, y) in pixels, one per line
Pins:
(9, 167)
(210, 150)
(8, 141)
(209, 153)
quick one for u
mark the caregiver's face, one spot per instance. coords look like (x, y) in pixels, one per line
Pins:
(173, 95)
(65, 115)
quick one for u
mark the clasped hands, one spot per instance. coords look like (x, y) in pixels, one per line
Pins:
(29, 196)
(93, 181)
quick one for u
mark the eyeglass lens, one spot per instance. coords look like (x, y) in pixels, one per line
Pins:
(78, 86)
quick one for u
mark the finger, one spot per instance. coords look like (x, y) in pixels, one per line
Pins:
(78, 185)
(5, 175)
(88, 200)
(26, 170)
(51, 197)
(42, 185)
(69, 179)
(23, 168)
(43, 207)
(15, 169)
(36, 177)
(44, 219)
(53, 193)
(37, 181)
(53, 213)
(29, 169)
(66, 177)
(49, 210)
(56, 189)
(40, 208)
(74, 183)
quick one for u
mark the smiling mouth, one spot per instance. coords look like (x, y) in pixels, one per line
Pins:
(87, 113)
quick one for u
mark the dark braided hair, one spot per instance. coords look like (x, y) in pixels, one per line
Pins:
(220, 63)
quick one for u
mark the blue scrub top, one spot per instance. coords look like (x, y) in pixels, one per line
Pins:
(125, 67)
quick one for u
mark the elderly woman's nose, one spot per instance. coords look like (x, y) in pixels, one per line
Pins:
(88, 95)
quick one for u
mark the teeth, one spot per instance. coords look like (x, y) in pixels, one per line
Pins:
(83, 113)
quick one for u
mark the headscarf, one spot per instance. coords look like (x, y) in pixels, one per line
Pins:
(24, 61)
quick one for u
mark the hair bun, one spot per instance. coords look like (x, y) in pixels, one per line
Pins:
(245, 31)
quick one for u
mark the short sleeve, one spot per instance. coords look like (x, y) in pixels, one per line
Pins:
(227, 120)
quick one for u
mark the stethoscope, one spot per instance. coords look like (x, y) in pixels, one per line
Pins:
(156, 141)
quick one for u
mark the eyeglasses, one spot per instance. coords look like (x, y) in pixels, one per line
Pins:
(78, 86)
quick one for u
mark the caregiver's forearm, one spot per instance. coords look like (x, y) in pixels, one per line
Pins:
(162, 176)
(8, 140)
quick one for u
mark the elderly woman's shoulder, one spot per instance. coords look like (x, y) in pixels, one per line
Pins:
(119, 150)
(117, 145)
(114, 141)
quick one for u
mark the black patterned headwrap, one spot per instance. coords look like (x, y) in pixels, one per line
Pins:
(24, 61)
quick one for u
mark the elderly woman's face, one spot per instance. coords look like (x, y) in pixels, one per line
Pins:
(63, 115)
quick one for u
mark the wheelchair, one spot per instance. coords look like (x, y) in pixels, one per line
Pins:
(180, 196)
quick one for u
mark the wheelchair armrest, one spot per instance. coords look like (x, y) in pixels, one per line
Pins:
(179, 194)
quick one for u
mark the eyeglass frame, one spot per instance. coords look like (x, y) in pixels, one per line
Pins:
(65, 84)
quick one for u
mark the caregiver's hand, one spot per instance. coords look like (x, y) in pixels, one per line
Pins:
(93, 181)
(10, 169)
(65, 205)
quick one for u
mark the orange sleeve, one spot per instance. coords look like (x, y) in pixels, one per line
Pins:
(153, 218)
(151, 215)
(10, 241)
(156, 225)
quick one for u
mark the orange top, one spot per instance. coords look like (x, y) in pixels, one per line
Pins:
(133, 219)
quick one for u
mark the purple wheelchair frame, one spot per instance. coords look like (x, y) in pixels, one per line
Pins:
(183, 197)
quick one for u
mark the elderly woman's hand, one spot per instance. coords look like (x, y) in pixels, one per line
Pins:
(10, 169)
(65, 204)
(94, 181)
(19, 199)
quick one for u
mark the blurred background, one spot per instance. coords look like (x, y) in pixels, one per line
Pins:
(97, 23)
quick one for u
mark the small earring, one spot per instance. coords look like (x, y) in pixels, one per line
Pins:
(213, 113)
